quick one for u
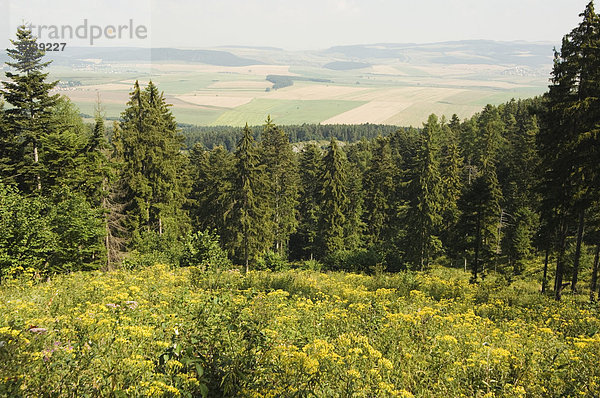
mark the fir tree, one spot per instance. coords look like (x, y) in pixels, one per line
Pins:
(153, 165)
(281, 168)
(451, 173)
(379, 194)
(30, 117)
(334, 199)
(309, 204)
(424, 215)
(250, 219)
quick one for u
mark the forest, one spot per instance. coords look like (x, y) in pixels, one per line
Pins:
(146, 259)
(513, 183)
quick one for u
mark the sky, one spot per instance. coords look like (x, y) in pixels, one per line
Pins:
(291, 25)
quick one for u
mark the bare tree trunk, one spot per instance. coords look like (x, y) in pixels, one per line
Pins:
(594, 283)
(36, 161)
(578, 249)
(160, 228)
(560, 258)
(545, 277)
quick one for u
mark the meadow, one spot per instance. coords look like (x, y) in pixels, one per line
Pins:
(169, 332)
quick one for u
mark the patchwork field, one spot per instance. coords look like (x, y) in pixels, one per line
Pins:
(397, 90)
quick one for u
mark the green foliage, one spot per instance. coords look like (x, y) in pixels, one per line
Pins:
(273, 261)
(250, 219)
(27, 240)
(425, 198)
(282, 173)
(152, 160)
(30, 116)
(203, 249)
(333, 197)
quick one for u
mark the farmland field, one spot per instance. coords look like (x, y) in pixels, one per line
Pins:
(163, 331)
(391, 90)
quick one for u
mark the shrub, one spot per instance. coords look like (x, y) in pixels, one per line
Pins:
(203, 249)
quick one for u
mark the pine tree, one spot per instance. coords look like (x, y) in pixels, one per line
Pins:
(153, 165)
(451, 173)
(308, 203)
(211, 189)
(358, 155)
(250, 219)
(425, 213)
(379, 194)
(281, 168)
(334, 199)
(569, 140)
(30, 117)
(480, 205)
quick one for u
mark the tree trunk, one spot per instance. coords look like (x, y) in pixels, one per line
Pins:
(160, 228)
(477, 247)
(545, 278)
(36, 160)
(578, 249)
(560, 258)
(594, 283)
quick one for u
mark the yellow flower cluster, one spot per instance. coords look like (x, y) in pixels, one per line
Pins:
(161, 332)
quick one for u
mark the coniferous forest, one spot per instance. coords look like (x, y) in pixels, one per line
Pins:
(410, 224)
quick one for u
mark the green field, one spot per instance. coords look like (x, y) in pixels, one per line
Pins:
(284, 111)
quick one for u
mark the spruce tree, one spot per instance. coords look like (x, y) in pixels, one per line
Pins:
(153, 165)
(211, 173)
(425, 192)
(358, 155)
(250, 219)
(30, 114)
(281, 168)
(569, 140)
(309, 204)
(334, 199)
(451, 173)
(379, 188)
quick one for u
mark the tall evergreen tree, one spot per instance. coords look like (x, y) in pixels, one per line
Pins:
(425, 213)
(30, 114)
(334, 199)
(451, 173)
(379, 189)
(309, 204)
(250, 219)
(569, 140)
(211, 188)
(282, 172)
(153, 165)
(358, 155)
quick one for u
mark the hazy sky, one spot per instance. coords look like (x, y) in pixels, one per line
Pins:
(301, 24)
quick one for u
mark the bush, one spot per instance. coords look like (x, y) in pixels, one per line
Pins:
(202, 249)
(360, 260)
(272, 261)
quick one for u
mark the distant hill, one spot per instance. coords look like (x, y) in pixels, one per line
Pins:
(120, 54)
(452, 52)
